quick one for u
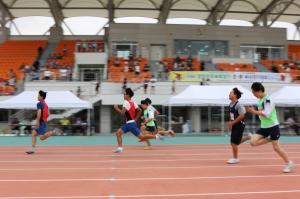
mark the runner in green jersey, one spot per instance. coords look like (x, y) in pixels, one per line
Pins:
(269, 126)
(149, 125)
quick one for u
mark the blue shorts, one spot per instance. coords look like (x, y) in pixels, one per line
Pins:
(131, 127)
(43, 128)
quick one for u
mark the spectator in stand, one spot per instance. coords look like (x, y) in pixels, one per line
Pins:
(146, 82)
(97, 88)
(84, 46)
(36, 65)
(40, 52)
(47, 74)
(146, 68)
(173, 87)
(69, 73)
(12, 78)
(126, 69)
(78, 91)
(63, 72)
(124, 85)
(177, 59)
(202, 66)
(153, 80)
(65, 50)
(274, 68)
(137, 70)
(117, 62)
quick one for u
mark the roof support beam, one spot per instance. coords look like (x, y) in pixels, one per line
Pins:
(263, 16)
(5, 14)
(56, 10)
(283, 8)
(111, 11)
(219, 11)
(164, 11)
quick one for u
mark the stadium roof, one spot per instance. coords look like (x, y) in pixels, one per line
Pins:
(258, 12)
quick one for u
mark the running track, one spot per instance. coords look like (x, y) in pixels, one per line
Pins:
(168, 171)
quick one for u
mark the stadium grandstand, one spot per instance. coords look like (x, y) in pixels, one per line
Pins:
(182, 54)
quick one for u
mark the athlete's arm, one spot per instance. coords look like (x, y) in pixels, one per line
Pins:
(138, 113)
(120, 111)
(238, 119)
(38, 117)
(250, 109)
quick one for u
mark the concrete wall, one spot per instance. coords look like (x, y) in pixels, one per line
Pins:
(151, 34)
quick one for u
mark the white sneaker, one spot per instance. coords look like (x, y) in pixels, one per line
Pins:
(159, 137)
(288, 167)
(31, 151)
(118, 150)
(250, 135)
(233, 161)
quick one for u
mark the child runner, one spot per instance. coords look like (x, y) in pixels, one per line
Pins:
(269, 131)
(236, 124)
(149, 123)
(131, 111)
(158, 128)
(41, 122)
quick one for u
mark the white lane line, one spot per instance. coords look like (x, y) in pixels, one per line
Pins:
(141, 168)
(137, 155)
(149, 179)
(132, 160)
(158, 195)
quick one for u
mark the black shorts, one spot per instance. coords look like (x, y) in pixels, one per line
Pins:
(237, 133)
(151, 129)
(272, 132)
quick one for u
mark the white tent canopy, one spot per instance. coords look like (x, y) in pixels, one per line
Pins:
(54, 99)
(287, 96)
(196, 95)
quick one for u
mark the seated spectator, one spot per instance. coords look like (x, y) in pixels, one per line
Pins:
(274, 69)
(146, 68)
(63, 72)
(153, 80)
(47, 74)
(117, 62)
(137, 70)
(177, 59)
(12, 78)
(65, 50)
(15, 125)
(65, 123)
(126, 69)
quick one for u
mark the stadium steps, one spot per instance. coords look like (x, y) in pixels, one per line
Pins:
(260, 67)
(48, 50)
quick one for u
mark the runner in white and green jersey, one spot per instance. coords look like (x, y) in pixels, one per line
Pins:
(269, 126)
(149, 125)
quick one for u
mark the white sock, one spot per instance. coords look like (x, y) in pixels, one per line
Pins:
(120, 148)
(157, 136)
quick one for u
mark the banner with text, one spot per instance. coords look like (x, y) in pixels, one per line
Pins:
(222, 76)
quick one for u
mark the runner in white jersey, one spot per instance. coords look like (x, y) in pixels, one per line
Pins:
(269, 131)
(156, 112)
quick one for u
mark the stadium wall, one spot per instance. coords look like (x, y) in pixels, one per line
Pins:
(153, 34)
